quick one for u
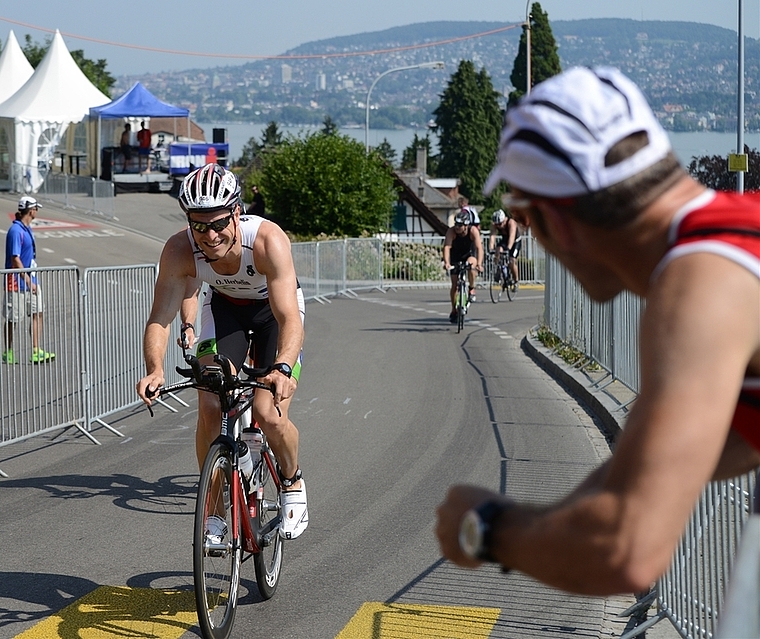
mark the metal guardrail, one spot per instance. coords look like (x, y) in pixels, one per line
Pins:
(89, 194)
(81, 192)
(94, 324)
(691, 593)
(741, 616)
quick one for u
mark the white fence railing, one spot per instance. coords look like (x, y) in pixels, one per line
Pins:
(691, 593)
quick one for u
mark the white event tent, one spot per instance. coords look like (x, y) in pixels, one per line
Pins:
(15, 69)
(36, 116)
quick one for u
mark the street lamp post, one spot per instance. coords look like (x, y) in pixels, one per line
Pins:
(424, 65)
(740, 102)
(527, 48)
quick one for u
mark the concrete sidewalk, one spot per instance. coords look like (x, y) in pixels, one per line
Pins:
(609, 400)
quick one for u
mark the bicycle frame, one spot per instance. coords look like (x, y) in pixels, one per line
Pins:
(241, 503)
(462, 292)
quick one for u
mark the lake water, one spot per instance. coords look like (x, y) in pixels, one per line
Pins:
(686, 145)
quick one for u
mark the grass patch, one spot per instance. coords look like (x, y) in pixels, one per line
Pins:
(568, 353)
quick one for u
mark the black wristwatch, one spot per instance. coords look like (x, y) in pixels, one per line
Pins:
(476, 530)
(284, 368)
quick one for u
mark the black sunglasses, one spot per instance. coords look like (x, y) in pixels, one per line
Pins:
(217, 225)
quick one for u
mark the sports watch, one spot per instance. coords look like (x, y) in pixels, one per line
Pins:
(476, 530)
(284, 368)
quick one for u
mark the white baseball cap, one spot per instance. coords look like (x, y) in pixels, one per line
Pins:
(556, 138)
(28, 202)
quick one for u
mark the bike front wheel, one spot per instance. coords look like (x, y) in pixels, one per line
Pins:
(267, 562)
(216, 550)
(461, 306)
(495, 286)
(511, 286)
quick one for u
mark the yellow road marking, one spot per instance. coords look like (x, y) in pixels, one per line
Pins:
(111, 611)
(412, 621)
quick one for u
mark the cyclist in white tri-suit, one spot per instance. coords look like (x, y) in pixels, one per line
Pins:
(247, 263)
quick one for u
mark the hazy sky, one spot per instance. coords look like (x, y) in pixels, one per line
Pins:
(251, 28)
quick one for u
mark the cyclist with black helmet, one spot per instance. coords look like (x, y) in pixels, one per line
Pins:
(462, 243)
(506, 237)
(246, 261)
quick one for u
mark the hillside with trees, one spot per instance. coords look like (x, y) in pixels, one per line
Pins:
(687, 70)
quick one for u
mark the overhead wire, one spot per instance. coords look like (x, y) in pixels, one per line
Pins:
(304, 56)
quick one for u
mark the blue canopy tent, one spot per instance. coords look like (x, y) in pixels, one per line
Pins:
(138, 102)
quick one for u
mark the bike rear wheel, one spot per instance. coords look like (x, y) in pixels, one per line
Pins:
(496, 285)
(510, 285)
(461, 306)
(216, 563)
(268, 562)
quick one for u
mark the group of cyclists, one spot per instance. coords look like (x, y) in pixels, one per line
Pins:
(620, 213)
(246, 261)
(463, 244)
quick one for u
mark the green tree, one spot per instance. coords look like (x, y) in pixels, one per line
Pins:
(95, 71)
(544, 58)
(712, 171)
(271, 137)
(329, 127)
(468, 121)
(327, 184)
(386, 151)
(250, 152)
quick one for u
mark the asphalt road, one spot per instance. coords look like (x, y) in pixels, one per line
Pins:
(393, 407)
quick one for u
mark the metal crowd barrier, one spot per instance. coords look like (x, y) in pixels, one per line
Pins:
(741, 614)
(607, 333)
(89, 194)
(93, 322)
(36, 399)
(691, 593)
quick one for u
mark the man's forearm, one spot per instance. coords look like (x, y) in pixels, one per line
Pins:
(155, 341)
(290, 341)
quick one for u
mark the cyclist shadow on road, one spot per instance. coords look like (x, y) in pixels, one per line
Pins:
(417, 325)
(173, 494)
(64, 606)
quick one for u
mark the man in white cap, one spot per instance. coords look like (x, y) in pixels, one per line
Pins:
(591, 171)
(22, 292)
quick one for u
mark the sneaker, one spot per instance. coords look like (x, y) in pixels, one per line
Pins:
(39, 356)
(295, 514)
(453, 317)
(471, 298)
(216, 529)
(515, 287)
(8, 357)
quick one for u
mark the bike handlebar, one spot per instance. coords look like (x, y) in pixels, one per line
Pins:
(217, 378)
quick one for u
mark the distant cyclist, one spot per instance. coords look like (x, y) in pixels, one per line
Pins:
(506, 237)
(462, 242)
(464, 205)
(253, 287)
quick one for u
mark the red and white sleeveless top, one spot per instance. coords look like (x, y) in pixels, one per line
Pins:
(726, 224)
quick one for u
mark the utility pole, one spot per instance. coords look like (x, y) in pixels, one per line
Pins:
(527, 48)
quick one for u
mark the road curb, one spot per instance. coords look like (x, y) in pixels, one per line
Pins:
(609, 407)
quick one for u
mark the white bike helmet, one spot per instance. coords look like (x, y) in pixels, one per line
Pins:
(463, 217)
(498, 217)
(208, 189)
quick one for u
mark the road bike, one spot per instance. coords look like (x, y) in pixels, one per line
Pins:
(248, 507)
(462, 300)
(502, 279)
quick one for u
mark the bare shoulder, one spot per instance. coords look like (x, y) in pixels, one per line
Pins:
(177, 255)
(271, 250)
(705, 308)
